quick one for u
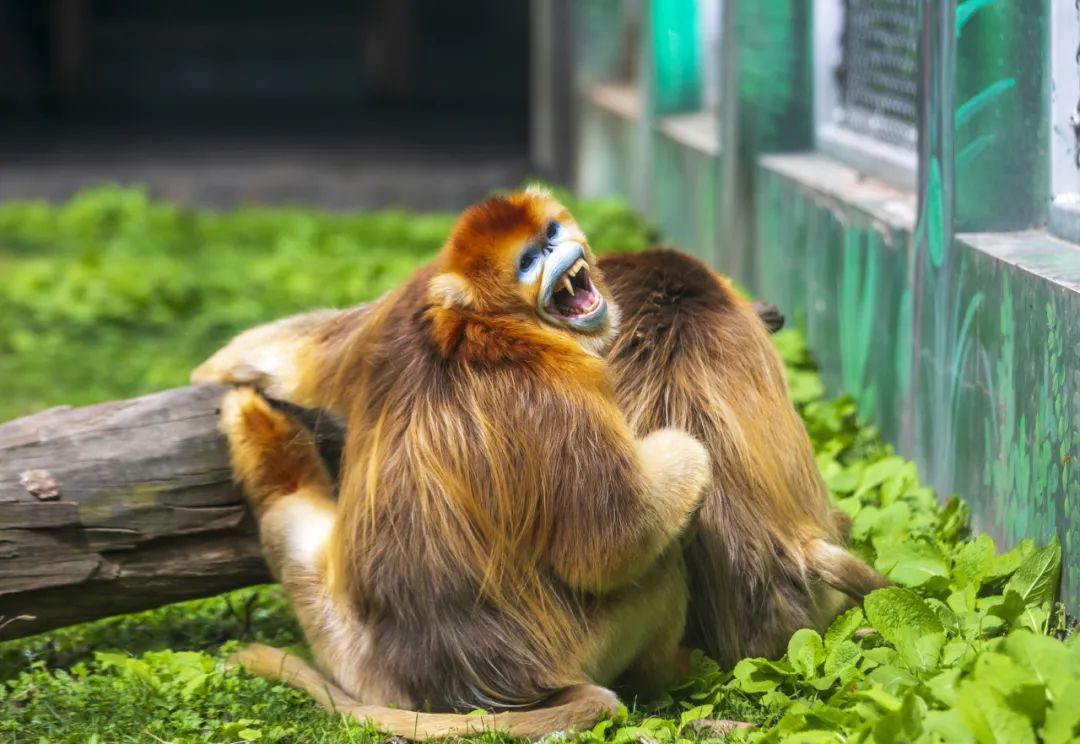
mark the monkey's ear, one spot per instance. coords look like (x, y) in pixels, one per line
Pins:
(450, 290)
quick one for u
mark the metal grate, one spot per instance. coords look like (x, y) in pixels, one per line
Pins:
(878, 76)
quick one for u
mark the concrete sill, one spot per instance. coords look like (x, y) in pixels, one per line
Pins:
(890, 163)
(698, 131)
(833, 179)
(621, 99)
(1035, 252)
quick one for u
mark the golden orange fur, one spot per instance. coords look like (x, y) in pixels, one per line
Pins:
(767, 557)
(501, 540)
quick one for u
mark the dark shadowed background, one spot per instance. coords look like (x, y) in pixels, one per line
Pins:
(342, 103)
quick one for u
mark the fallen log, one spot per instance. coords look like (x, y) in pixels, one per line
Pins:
(120, 507)
(129, 505)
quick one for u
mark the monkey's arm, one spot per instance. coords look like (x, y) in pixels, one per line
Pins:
(612, 526)
(294, 359)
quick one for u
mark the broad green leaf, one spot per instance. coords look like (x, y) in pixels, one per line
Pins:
(973, 562)
(907, 622)
(844, 627)
(962, 601)
(892, 524)
(845, 481)
(949, 619)
(863, 523)
(1008, 606)
(898, 484)
(841, 656)
(892, 678)
(949, 725)
(881, 698)
(913, 563)
(957, 652)
(1023, 691)
(775, 699)
(1062, 725)
(986, 713)
(1046, 659)
(757, 675)
(912, 715)
(879, 472)
(1034, 618)
(1007, 563)
(1036, 580)
(806, 652)
(943, 686)
(882, 655)
(695, 714)
(814, 737)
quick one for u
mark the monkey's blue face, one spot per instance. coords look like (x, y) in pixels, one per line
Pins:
(566, 295)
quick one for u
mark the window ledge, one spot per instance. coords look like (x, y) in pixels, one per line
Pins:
(699, 131)
(872, 157)
(1065, 217)
(1034, 251)
(829, 177)
(622, 99)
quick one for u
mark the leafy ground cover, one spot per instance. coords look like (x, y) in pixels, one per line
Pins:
(112, 295)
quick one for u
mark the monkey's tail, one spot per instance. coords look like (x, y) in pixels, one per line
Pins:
(841, 570)
(576, 707)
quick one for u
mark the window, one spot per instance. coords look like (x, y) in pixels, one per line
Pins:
(1065, 120)
(609, 45)
(687, 50)
(866, 85)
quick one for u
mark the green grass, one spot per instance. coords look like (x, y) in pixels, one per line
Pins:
(111, 295)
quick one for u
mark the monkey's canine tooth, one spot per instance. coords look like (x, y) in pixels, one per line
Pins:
(567, 285)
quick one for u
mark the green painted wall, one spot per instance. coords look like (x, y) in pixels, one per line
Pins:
(961, 344)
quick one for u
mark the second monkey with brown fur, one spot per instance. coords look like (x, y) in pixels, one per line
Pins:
(768, 556)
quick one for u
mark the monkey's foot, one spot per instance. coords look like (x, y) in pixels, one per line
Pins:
(271, 454)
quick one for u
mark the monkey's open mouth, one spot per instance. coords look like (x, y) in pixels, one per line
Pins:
(575, 296)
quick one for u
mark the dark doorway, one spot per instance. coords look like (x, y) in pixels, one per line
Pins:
(340, 103)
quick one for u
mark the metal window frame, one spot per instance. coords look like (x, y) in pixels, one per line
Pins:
(1064, 116)
(885, 161)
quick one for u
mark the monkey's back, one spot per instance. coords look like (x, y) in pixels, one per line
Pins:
(692, 354)
(443, 566)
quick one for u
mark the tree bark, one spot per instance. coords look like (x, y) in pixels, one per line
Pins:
(122, 506)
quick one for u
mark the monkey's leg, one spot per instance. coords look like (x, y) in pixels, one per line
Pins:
(294, 359)
(289, 491)
(639, 630)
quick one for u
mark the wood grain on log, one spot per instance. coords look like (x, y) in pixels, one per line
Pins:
(119, 507)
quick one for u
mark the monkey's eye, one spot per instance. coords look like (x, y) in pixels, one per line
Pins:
(552, 230)
(528, 260)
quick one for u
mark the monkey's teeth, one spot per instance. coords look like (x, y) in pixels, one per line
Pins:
(577, 267)
(567, 285)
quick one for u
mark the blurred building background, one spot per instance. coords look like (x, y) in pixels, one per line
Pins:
(343, 103)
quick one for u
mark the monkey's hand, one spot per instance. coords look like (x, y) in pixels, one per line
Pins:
(679, 470)
(283, 359)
